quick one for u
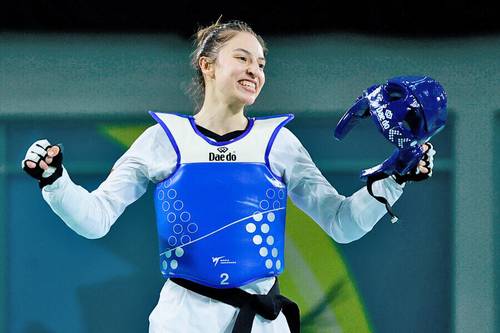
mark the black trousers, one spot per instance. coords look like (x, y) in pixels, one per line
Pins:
(268, 306)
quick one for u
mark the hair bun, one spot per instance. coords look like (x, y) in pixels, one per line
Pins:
(203, 33)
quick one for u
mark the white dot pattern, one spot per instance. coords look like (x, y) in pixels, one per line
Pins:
(172, 241)
(261, 225)
(177, 229)
(264, 205)
(185, 239)
(172, 193)
(257, 216)
(257, 239)
(174, 263)
(399, 140)
(178, 204)
(185, 216)
(192, 227)
(251, 228)
(161, 194)
(171, 217)
(183, 228)
(271, 217)
(175, 211)
(179, 252)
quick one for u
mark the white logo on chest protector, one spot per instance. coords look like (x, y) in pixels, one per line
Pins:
(222, 261)
(215, 260)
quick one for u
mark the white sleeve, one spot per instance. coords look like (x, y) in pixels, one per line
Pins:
(345, 219)
(91, 215)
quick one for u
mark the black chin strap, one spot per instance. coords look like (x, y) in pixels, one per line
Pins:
(369, 183)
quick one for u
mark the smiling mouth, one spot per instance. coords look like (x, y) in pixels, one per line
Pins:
(247, 85)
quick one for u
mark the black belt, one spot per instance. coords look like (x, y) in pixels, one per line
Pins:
(267, 306)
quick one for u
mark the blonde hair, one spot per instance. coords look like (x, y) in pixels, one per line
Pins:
(208, 41)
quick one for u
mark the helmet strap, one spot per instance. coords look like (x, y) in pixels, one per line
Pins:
(369, 182)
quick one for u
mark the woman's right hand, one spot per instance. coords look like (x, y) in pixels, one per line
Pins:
(43, 162)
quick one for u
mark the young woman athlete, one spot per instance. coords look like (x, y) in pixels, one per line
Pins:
(222, 180)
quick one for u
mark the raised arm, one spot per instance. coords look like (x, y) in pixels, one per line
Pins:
(91, 214)
(345, 219)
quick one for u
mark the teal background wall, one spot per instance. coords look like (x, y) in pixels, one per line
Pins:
(433, 272)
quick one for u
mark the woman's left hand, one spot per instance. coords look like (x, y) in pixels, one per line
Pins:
(427, 162)
(423, 170)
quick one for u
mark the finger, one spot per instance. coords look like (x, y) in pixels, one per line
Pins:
(53, 151)
(48, 159)
(425, 147)
(431, 152)
(423, 169)
(38, 150)
(30, 164)
(43, 165)
(32, 157)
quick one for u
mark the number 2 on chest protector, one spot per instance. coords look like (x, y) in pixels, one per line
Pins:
(224, 277)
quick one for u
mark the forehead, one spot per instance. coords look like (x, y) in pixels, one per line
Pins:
(246, 41)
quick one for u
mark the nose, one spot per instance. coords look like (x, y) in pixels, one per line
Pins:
(252, 70)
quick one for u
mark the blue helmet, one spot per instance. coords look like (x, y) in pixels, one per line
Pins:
(408, 111)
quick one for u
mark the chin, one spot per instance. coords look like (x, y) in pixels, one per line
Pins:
(245, 97)
(250, 102)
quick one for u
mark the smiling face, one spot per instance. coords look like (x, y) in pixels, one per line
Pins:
(237, 76)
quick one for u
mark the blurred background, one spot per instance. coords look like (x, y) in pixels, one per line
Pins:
(85, 75)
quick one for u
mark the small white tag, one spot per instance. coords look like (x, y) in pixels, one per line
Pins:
(47, 173)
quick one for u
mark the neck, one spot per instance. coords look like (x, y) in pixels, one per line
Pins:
(221, 119)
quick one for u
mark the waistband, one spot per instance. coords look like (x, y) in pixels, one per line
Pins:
(268, 306)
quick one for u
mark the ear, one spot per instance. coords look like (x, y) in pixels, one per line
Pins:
(207, 67)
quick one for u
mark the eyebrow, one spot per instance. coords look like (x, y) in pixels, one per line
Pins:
(249, 53)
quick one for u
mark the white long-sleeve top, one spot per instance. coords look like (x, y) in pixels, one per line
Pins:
(152, 158)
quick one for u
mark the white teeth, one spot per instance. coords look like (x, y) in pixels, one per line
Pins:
(248, 84)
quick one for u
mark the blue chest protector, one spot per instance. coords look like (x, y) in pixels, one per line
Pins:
(221, 213)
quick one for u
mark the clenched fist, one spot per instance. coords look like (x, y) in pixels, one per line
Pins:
(43, 162)
(424, 169)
